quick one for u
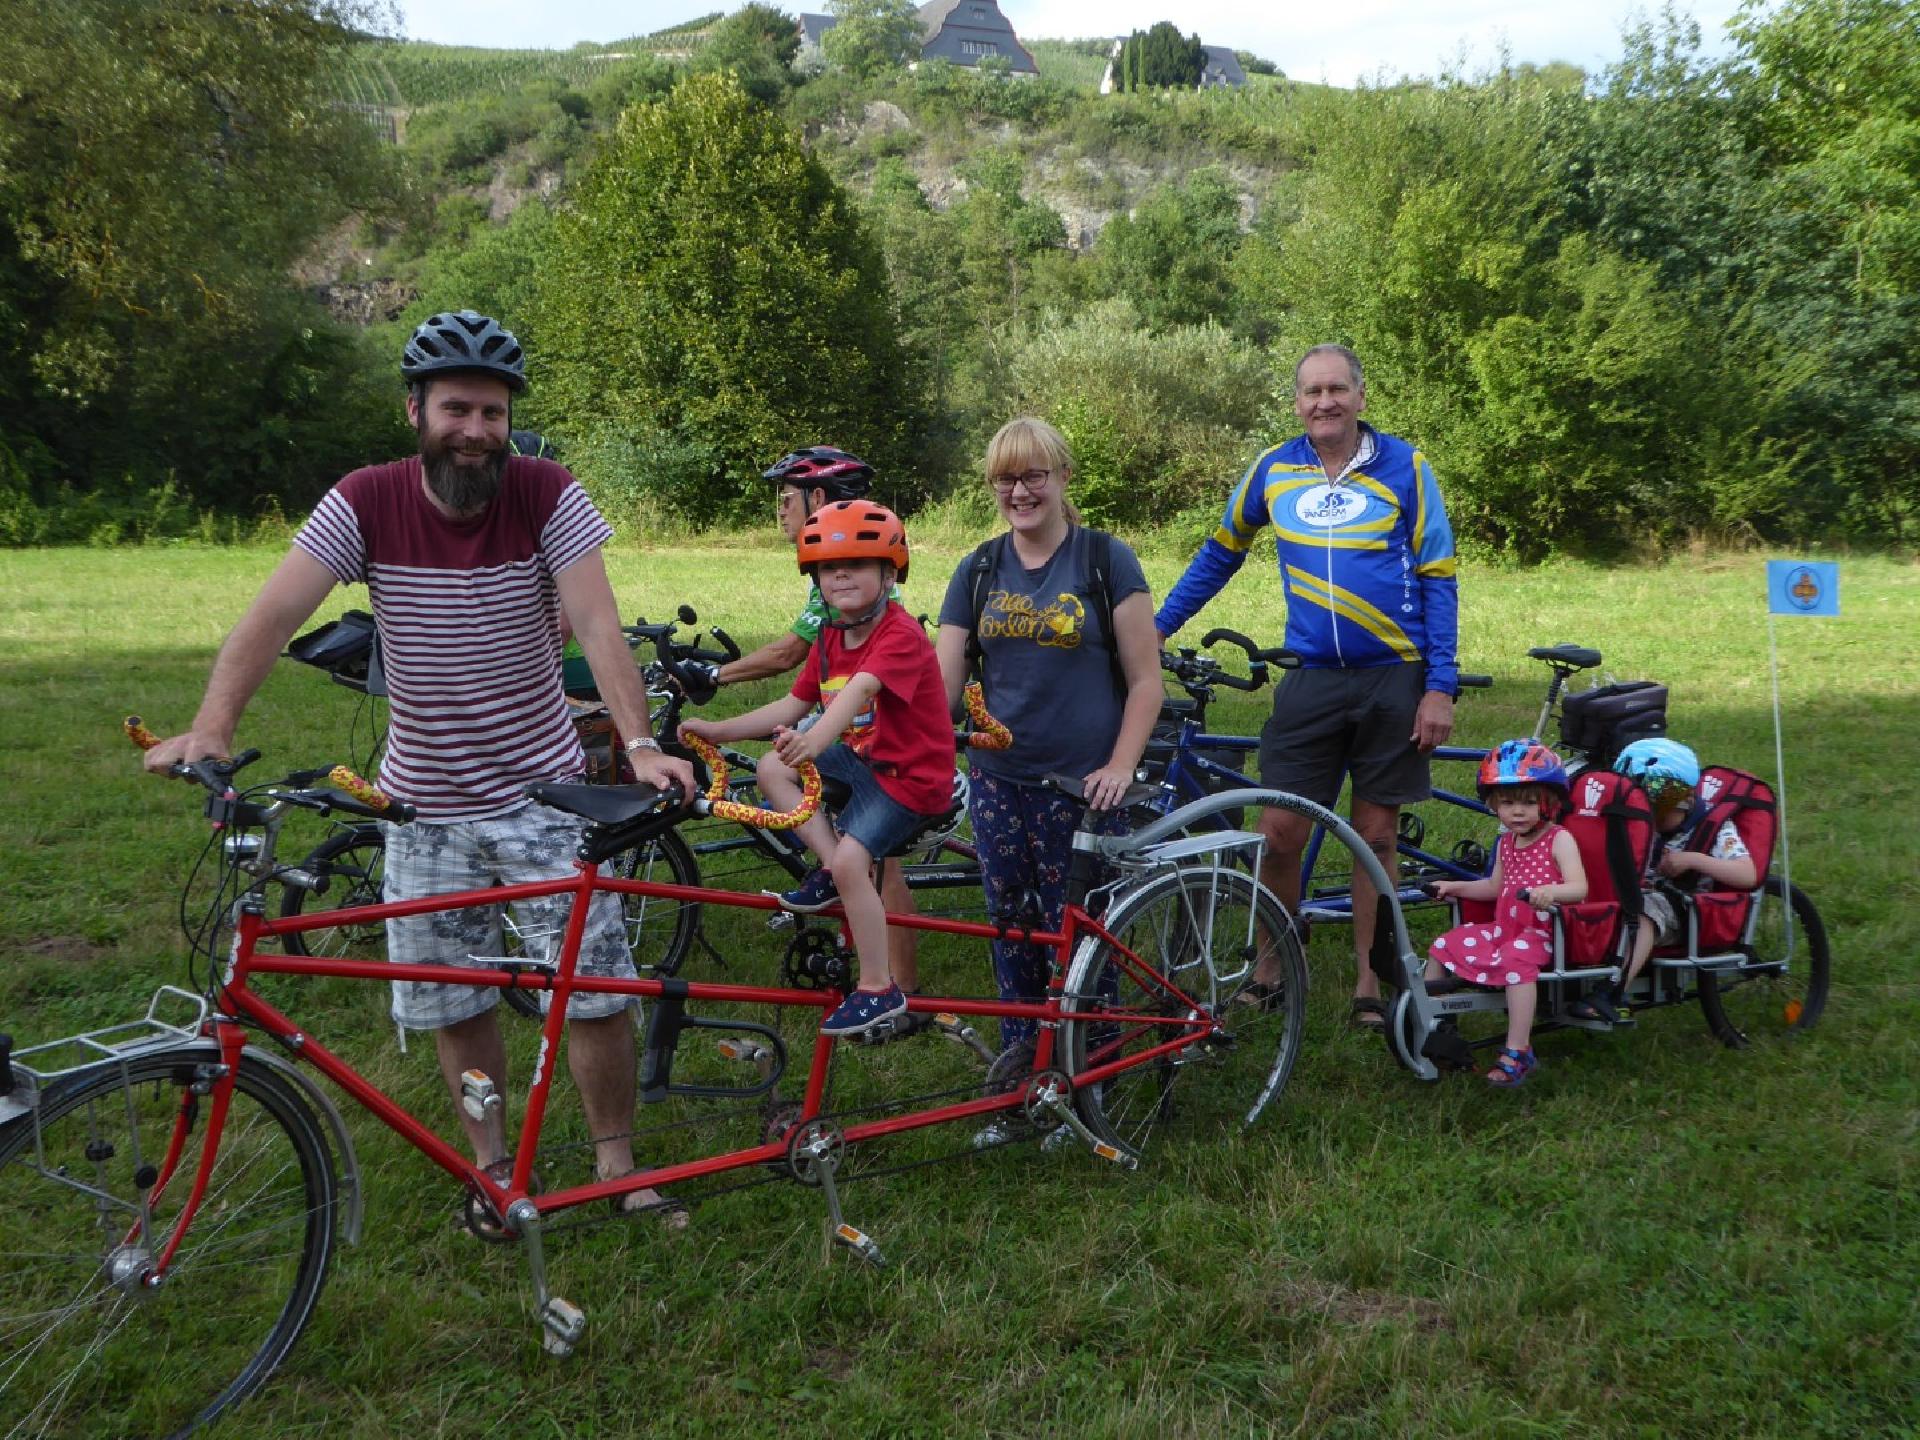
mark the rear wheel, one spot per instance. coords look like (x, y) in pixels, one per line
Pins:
(1776, 993)
(82, 1337)
(1199, 937)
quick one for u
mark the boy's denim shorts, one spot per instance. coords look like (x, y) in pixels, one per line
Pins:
(871, 816)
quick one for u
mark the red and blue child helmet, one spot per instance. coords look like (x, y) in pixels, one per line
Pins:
(1522, 762)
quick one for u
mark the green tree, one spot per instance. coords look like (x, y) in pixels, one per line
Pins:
(756, 43)
(1157, 422)
(1173, 257)
(161, 169)
(1162, 57)
(711, 299)
(869, 36)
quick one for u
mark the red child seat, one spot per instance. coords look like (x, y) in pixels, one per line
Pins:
(1612, 824)
(1748, 802)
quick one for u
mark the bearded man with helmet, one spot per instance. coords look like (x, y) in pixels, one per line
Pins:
(507, 545)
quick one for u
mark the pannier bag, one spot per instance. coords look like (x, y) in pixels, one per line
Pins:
(1603, 721)
(348, 649)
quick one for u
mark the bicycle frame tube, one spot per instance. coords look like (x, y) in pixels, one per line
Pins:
(563, 982)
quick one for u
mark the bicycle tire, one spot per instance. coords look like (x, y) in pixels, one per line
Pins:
(350, 866)
(1740, 1006)
(75, 1344)
(1190, 927)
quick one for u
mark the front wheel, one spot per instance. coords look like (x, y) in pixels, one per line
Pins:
(1775, 992)
(81, 1333)
(1211, 944)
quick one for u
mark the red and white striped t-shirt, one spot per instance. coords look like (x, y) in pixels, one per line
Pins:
(469, 621)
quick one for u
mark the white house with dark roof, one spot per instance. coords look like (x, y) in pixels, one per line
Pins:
(964, 32)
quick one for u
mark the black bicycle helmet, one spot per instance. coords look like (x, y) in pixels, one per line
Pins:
(821, 467)
(463, 342)
(533, 444)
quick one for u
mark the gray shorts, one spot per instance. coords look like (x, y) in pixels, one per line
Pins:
(1668, 927)
(532, 843)
(1327, 724)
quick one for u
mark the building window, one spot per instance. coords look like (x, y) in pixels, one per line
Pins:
(979, 12)
(978, 47)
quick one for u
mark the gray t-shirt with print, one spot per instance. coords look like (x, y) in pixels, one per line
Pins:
(1046, 659)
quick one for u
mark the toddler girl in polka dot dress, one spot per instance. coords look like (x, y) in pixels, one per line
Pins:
(1535, 865)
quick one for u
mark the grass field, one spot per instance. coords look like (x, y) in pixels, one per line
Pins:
(1657, 1236)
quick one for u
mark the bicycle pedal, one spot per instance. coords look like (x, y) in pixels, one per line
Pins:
(562, 1323)
(958, 1031)
(747, 1052)
(478, 1095)
(780, 921)
(860, 1243)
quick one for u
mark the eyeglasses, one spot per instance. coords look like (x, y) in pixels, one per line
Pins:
(1034, 480)
(785, 498)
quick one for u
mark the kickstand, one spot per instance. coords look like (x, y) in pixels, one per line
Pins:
(814, 1152)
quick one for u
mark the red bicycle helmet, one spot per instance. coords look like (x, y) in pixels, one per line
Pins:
(821, 467)
(853, 530)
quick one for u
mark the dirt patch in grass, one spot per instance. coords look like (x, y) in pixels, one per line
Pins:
(68, 948)
(1358, 1307)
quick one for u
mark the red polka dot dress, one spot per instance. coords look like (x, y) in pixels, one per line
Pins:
(1518, 945)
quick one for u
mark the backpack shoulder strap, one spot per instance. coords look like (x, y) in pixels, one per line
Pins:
(1100, 563)
(980, 567)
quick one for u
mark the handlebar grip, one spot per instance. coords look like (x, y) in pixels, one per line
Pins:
(1474, 682)
(370, 795)
(1234, 682)
(721, 808)
(138, 733)
(1279, 655)
(988, 733)
(726, 642)
(1219, 633)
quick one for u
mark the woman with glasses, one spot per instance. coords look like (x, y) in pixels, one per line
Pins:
(1056, 621)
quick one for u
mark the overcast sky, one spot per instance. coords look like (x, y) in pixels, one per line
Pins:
(1337, 43)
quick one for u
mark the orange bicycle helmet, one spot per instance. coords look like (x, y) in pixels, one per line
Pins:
(853, 530)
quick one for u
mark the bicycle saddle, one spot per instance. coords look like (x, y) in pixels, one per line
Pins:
(603, 804)
(1574, 657)
(1135, 794)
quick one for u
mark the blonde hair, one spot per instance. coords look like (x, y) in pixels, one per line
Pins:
(1029, 443)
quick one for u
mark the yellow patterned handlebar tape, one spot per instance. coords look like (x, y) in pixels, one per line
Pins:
(721, 807)
(988, 733)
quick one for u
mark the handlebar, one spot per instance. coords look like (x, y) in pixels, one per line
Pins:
(722, 808)
(988, 733)
(215, 775)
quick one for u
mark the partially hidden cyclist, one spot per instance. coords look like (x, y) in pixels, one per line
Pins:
(470, 556)
(1366, 561)
(804, 481)
(1058, 621)
(885, 734)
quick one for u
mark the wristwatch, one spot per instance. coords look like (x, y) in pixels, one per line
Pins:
(643, 742)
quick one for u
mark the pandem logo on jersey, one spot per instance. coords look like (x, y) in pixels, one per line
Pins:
(1326, 507)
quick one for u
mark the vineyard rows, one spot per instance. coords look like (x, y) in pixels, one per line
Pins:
(411, 73)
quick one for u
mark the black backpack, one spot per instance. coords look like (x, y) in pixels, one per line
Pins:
(986, 559)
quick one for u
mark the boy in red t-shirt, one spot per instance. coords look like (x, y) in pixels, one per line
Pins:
(886, 734)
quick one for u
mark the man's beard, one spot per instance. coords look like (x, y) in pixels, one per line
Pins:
(465, 489)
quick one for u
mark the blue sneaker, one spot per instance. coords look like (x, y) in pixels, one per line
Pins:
(864, 1009)
(811, 895)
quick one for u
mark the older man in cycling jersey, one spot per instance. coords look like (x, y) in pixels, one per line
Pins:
(1366, 559)
(470, 555)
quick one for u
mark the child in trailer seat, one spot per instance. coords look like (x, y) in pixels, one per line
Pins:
(1670, 774)
(1536, 864)
(885, 734)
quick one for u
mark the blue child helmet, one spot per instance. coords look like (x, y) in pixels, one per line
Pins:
(1659, 763)
(1522, 762)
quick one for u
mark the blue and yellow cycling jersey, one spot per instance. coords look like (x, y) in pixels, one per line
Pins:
(1367, 560)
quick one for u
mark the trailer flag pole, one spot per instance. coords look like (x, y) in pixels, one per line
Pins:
(1794, 587)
